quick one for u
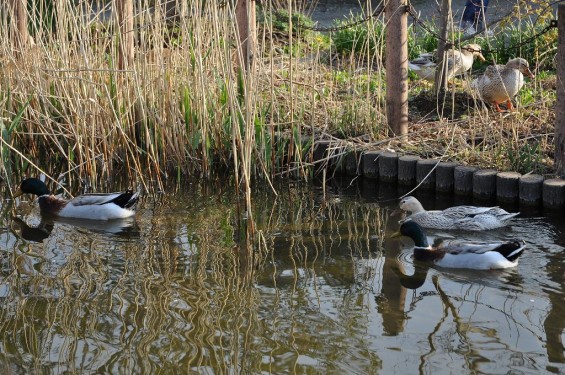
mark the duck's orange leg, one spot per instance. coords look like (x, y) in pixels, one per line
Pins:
(509, 105)
(498, 109)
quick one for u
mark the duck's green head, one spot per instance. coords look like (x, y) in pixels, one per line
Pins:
(410, 228)
(32, 186)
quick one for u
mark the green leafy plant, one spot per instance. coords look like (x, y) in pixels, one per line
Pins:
(280, 20)
(526, 158)
(365, 38)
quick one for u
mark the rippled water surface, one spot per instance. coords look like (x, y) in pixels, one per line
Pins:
(176, 290)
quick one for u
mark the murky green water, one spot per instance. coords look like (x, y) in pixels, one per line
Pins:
(175, 291)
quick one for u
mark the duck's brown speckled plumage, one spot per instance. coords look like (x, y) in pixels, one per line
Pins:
(500, 83)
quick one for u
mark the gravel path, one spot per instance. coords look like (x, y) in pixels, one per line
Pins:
(327, 11)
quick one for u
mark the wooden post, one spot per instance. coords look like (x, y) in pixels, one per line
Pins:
(20, 33)
(560, 107)
(441, 71)
(246, 27)
(126, 50)
(396, 19)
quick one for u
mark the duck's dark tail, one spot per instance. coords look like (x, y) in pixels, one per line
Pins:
(126, 200)
(512, 249)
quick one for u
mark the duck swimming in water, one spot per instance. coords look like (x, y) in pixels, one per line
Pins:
(462, 254)
(101, 206)
(458, 217)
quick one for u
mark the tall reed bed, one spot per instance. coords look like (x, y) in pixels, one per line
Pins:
(183, 107)
(172, 111)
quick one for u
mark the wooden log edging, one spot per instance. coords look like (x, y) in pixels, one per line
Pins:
(508, 187)
(484, 184)
(425, 173)
(388, 166)
(463, 180)
(530, 190)
(407, 169)
(445, 176)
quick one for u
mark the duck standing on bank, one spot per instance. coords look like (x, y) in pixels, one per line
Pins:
(458, 62)
(458, 217)
(462, 254)
(501, 83)
(101, 206)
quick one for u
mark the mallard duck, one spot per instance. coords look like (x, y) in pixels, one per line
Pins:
(458, 62)
(461, 254)
(500, 83)
(458, 217)
(105, 206)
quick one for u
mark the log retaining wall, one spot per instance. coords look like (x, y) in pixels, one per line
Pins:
(445, 177)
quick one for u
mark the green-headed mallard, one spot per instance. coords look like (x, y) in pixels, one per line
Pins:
(458, 62)
(458, 217)
(462, 254)
(500, 83)
(105, 206)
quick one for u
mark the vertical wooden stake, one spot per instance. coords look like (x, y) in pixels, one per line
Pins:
(396, 20)
(441, 71)
(246, 26)
(560, 106)
(126, 50)
(20, 33)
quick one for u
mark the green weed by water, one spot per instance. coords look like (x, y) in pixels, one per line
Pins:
(526, 158)
(8, 129)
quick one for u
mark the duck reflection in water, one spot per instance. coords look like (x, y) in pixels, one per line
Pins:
(39, 232)
(414, 281)
(395, 284)
(391, 301)
(31, 233)
(119, 227)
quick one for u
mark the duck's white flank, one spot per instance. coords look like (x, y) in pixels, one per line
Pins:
(97, 207)
(106, 211)
(485, 261)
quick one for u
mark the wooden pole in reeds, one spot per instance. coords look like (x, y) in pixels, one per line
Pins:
(396, 20)
(19, 17)
(441, 71)
(560, 106)
(246, 27)
(126, 50)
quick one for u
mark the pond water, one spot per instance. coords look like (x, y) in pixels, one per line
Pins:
(175, 290)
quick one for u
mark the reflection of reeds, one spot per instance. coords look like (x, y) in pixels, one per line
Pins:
(313, 229)
(176, 293)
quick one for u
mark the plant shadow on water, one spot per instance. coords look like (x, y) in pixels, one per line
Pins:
(326, 292)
